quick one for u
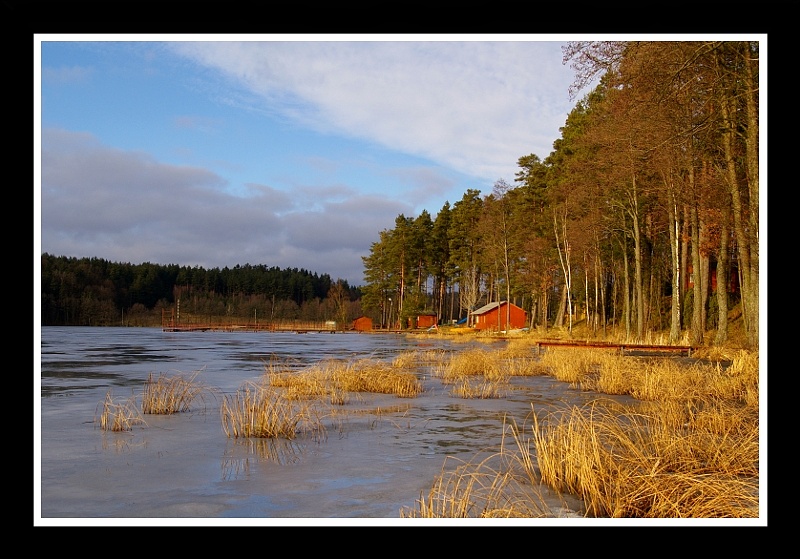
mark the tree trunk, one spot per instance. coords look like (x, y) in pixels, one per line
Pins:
(626, 309)
(586, 292)
(723, 266)
(562, 305)
(566, 266)
(638, 280)
(597, 296)
(543, 309)
(674, 243)
(697, 299)
(604, 316)
(751, 87)
(705, 275)
(685, 252)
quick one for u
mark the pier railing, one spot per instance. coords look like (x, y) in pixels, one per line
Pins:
(622, 348)
(170, 323)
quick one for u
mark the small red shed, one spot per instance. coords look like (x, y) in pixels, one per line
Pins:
(426, 320)
(362, 324)
(494, 315)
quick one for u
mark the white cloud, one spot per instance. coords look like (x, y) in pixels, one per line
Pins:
(475, 107)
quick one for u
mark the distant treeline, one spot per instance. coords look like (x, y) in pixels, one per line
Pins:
(96, 292)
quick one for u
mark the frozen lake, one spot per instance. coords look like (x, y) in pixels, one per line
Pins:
(182, 468)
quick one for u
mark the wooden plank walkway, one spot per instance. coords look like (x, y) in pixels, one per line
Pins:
(171, 322)
(223, 327)
(622, 348)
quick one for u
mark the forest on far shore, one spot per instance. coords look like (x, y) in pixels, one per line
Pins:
(96, 292)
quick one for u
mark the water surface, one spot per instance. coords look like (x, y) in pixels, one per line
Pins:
(183, 466)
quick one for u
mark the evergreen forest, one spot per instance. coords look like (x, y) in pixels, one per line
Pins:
(644, 217)
(96, 292)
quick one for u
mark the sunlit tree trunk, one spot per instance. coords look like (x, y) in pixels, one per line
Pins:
(638, 279)
(544, 304)
(564, 251)
(723, 267)
(674, 243)
(558, 322)
(626, 291)
(697, 298)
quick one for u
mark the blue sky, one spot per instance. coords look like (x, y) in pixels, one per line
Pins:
(289, 151)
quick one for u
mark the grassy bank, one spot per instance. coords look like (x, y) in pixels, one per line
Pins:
(688, 447)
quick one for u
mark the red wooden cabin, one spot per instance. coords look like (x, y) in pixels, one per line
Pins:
(493, 316)
(426, 320)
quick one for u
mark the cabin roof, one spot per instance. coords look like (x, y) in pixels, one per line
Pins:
(488, 307)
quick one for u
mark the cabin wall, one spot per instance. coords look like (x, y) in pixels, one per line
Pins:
(489, 319)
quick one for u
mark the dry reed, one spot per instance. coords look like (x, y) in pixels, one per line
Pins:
(668, 460)
(688, 449)
(500, 485)
(171, 394)
(335, 379)
(572, 365)
(115, 416)
(466, 388)
(262, 412)
(416, 358)
(471, 362)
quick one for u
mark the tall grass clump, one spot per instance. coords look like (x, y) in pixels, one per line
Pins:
(689, 449)
(416, 358)
(501, 485)
(313, 382)
(572, 365)
(669, 380)
(469, 389)
(478, 491)
(652, 379)
(519, 346)
(524, 367)
(667, 460)
(604, 371)
(335, 378)
(261, 411)
(665, 379)
(475, 373)
(117, 416)
(171, 394)
(740, 380)
(379, 377)
(471, 362)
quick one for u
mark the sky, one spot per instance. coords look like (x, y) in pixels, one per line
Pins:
(288, 151)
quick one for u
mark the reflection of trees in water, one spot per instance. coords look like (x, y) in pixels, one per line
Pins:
(395, 415)
(280, 451)
(120, 442)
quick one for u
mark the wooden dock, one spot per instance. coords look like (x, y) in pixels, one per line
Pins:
(171, 321)
(623, 349)
(299, 327)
